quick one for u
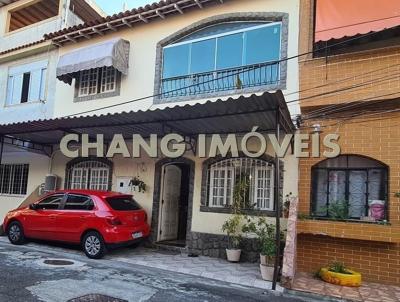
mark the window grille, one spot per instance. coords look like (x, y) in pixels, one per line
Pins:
(97, 80)
(108, 79)
(14, 179)
(88, 82)
(247, 181)
(92, 175)
(350, 182)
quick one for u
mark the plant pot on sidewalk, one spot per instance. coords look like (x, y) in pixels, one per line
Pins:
(350, 278)
(267, 272)
(266, 260)
(233, 255)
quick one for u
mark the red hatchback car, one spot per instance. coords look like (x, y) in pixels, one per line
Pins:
(95, 219)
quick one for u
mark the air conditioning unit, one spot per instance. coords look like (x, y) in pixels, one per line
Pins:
(50, 183)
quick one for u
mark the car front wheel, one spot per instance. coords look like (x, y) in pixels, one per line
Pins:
(94, 246)
(15, 233)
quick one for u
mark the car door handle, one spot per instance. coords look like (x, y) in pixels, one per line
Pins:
(82, 217)
(52, 217)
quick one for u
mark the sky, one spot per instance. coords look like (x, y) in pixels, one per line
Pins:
(116, 6)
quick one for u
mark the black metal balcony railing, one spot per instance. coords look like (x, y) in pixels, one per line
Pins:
(221, 80)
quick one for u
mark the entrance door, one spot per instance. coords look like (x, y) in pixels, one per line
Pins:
(170, 199)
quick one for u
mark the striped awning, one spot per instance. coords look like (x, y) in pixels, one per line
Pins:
(114, 52)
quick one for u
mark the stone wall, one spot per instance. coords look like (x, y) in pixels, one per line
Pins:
(214, 246)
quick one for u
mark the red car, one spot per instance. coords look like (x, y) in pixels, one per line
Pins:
(95, 219)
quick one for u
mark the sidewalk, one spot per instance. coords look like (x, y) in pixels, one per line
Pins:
(242, 274)
(246, 274)
(368, 292)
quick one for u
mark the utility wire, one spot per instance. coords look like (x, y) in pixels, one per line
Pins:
(359, 102)
(363, 115)
(339, 106)
(360, 75)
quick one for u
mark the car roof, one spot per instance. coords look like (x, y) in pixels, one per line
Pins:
(101, 194)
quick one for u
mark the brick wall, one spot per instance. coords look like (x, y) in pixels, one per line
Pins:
(376, 136)
(378, 139)
(377, 261)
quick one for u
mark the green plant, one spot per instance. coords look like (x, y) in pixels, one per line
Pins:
(265, 233)
(397, 194)
(241, 194)
(239, 84)
(137, 182)
(338, 267)
(317, 274)
(302, 216)
(232, 228)
(338, 210)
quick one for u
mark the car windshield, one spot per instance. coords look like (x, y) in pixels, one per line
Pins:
(124, 203)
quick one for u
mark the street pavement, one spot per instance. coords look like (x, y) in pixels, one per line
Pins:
(26, 275)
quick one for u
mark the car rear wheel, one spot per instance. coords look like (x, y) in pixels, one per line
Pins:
(94, 246)
(15, 233)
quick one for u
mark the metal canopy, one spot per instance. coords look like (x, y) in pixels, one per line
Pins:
(231, 116)
(268, 112)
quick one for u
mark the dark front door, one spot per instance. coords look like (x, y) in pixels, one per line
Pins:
(183, 202)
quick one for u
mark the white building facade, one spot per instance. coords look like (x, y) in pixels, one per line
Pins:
(166, 56)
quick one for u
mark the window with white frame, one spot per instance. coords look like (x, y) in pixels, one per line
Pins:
(248, 181)
(92, 175)
(14, 179)
(96, 81)
(27, 83)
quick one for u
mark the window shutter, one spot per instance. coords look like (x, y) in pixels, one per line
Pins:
(43, 82)
(16, 89)
(34, 86)
(37, 82)
(10, 85)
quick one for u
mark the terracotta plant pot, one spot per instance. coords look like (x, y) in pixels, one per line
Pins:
(264, 260)
(233, 255)
(352, 279)
(267, 272)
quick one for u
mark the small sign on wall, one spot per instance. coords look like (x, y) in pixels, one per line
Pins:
(123, 185)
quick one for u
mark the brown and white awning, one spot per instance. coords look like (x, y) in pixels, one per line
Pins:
(114, 52)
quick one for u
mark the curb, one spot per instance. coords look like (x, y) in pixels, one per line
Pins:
(314, 297)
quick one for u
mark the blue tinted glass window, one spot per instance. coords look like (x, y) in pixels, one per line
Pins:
(262, 45)
(176, 61)
(203, 56)
(230, 51)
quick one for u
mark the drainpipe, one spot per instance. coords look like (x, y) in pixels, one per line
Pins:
(277, 207)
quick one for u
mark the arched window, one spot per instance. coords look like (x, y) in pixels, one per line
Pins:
(89, 174)
(350, 186)
(225, 56)
(247, 181)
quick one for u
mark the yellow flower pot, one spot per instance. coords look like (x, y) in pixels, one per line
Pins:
(353, 279)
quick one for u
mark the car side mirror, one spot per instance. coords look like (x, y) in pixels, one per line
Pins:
(33, 206)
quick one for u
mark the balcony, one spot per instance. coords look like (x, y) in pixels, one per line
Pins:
(244, 77)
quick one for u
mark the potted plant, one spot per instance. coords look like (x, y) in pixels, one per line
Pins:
(337, 273)
(338, 210)
(138, 184)
(232, 228)
(265, 233)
